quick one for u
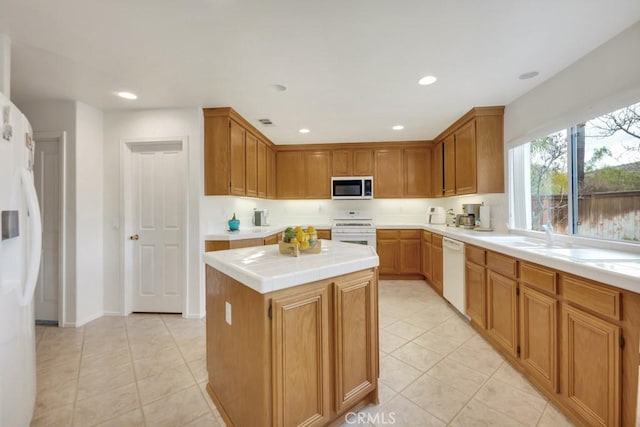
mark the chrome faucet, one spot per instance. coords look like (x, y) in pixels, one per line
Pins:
(548, 230)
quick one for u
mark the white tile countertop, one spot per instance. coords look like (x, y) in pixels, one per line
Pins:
(264, 269)
(255, 232)
(619, 268)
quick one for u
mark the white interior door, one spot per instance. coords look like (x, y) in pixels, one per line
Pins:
(157, 191)
(46, 173)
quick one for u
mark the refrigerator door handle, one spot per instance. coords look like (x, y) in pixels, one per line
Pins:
(35, 236)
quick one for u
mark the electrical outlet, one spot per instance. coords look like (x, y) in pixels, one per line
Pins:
(227, 315)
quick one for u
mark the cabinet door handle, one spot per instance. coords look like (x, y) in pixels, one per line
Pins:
(134, 237)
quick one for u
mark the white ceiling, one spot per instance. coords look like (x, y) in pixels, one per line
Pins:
(351, 66)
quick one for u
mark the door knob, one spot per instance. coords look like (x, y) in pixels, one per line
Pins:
(134, 237)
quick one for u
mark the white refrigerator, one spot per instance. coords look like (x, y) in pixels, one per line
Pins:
(20, 247)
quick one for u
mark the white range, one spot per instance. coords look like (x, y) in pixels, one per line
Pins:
(354, 226)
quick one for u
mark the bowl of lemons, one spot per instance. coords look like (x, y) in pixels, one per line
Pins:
(298, 239)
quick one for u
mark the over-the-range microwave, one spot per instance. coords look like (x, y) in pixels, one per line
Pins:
(351, 187)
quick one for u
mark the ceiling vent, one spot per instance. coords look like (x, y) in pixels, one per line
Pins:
(266, 122)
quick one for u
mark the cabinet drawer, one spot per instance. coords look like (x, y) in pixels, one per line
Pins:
(502, 264)
(409, 234)
(475, 255)
(436, 240)
(538, 277)
(426, 236)
(592, 296)
(386, 234)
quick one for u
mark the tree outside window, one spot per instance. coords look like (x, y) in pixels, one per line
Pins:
(602, 173)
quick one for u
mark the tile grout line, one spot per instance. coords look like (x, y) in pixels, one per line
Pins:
(75, 395)
(426, 372)
(473, 395)
(195, 380)
(135, 375)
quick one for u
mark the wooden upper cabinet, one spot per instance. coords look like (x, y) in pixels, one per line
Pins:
(262, 169)
(237, 159)
(234, 155)
(417, 170)
(352, 162)
(341, 163)
(465, 159)
(362, 162)
(317, 174)
(271, 174)
(389, 178)
(449, 165)
(437, 177)
(474, 153)
(290, 178)
(251, 165)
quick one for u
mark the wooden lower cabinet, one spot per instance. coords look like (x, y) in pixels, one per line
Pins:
(436, 263)
(324, 234)
(538, 336)
(410, 254)
(476, 283)
(221, 245)
(563, 332)
(399, 252)
(502, 311)
(388, 255)
(301, 356)
(426, 255)
(300, 346)
(591, 366)
(272, 240)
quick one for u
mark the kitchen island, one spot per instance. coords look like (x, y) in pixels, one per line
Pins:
(292, 341)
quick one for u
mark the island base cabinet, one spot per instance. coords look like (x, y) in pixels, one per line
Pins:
(305, 355)
(300, 343)
(355, 341)
(591, 366)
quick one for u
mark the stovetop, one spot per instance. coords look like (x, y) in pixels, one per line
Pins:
(353, 224)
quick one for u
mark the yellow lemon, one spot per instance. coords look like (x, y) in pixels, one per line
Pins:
(301, 236)
(294, 241)
(304, 245)
(311, 229)
(298, 228)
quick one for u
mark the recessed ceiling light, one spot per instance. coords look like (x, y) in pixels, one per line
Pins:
(127, 95)
(398, 127)
(279, 88)
(427, 80)
(304, 130)
(529, 75)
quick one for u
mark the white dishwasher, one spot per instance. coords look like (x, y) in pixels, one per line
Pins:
(453, 275)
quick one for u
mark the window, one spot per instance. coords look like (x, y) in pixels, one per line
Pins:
(583, 180)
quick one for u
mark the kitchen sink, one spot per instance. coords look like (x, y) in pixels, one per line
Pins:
(519, 241)
(588, 254)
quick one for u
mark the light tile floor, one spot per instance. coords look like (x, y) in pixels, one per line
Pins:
(149, 370)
